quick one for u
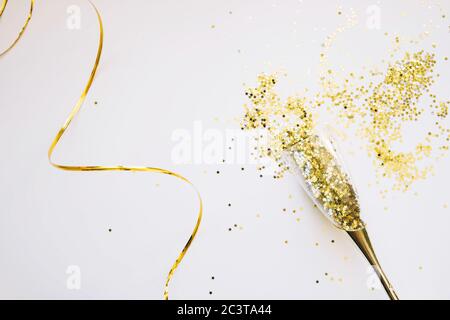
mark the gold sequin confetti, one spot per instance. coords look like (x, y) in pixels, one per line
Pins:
(291, 128)
(379, 104)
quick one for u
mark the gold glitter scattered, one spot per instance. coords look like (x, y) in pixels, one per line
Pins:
(290, 127)
(328, 183)
(380, 108)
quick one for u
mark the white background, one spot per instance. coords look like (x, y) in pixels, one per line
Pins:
(163, 68)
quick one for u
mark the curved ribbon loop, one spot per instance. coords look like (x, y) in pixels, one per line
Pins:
(24, 27)
(63, 129)
(2, 8)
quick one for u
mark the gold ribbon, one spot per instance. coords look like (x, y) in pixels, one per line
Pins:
(2, 8)
(24, 27)
(71, 116)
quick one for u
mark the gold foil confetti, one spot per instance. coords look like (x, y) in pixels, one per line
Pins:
(290, 127)
(378, 104)
(328, 183)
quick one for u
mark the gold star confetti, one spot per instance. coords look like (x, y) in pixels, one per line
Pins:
(380, 106)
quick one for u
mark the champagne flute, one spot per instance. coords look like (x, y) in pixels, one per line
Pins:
(319, 169)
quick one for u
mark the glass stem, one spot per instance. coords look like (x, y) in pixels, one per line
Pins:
(361, 238)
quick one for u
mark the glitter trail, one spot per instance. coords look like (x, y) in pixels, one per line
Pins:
(379, 109)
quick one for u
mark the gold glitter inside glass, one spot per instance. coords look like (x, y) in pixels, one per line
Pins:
(325, 180)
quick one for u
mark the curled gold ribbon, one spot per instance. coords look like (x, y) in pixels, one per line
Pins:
(63, 129)
(24, 27)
